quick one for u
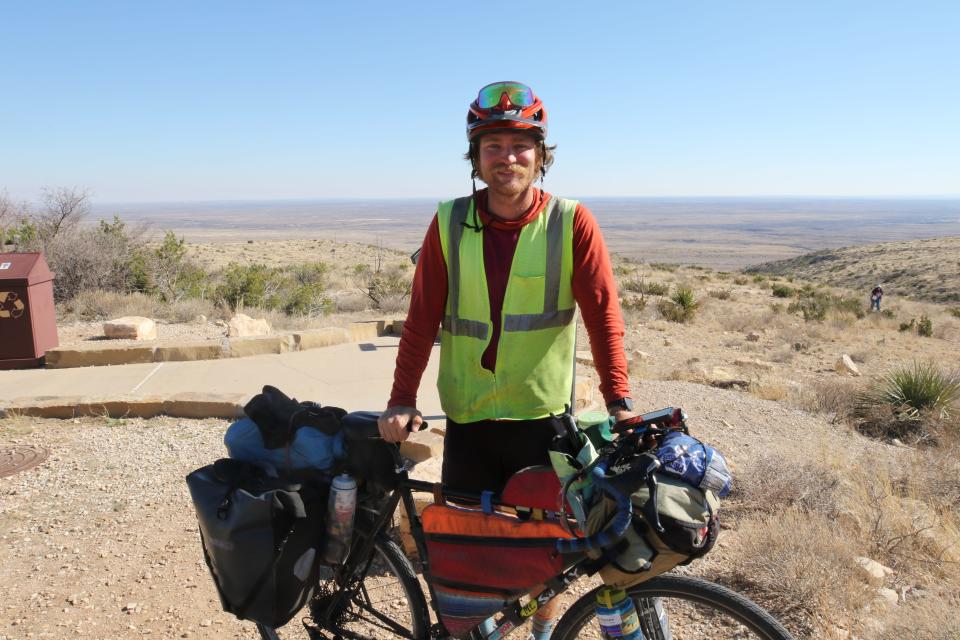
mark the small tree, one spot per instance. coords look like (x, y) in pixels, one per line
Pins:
(61, 208)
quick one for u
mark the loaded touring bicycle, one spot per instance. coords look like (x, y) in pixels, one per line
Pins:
(488, 562)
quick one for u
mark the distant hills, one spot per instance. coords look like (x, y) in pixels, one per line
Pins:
(920, 269)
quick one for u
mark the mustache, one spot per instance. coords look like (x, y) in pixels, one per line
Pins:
(513, 168)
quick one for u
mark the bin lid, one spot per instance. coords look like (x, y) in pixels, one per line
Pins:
(24, 269)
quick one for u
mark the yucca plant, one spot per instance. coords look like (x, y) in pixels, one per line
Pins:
(910, 391)
(681, 306)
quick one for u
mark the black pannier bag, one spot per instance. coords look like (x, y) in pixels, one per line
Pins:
(261, 538)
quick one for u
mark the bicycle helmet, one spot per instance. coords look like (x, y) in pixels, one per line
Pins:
(506, 106)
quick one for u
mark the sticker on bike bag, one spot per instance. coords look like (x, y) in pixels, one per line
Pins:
(529, 609)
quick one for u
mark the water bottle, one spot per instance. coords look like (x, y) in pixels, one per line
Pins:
(617, 614)
(341, 507)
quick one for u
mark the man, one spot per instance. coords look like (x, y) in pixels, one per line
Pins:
(875, 297)
(502, 271)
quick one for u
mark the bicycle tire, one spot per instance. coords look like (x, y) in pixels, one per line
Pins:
(695, 609)
(375, 608)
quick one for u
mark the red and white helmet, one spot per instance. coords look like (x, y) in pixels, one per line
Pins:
(506, 106)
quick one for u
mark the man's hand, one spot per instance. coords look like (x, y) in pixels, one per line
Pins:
(622, 414)
(393, 423)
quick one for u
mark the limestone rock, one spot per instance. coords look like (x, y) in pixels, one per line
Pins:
(242, 325)
(641, 355)
(130, 328)
(888, 596)
(874, 572)
(846, 367)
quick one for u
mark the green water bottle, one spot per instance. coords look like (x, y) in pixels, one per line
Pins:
(596, 425)
(617, 614)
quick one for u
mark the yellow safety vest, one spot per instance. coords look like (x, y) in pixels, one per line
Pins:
(534, 369)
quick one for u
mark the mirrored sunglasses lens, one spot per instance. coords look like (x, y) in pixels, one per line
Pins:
(520, 95)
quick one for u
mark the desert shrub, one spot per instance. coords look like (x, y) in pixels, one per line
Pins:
(680, 307)
(910, 402)
(721, 294)
(776, 307)
(898, 522)
(632, 285)
(925, 327)
(295, 290)
(835, 397)
(773, 561)
(656, 288)
(813, 309)
(913, 390)
(167, 271)
(773, 482)
(955, 312)
(250, 285)
(388, 287)
(768, 390)
(846, 304)
(908, 326)
(663, 266)
(634, 303)
(740, 280)
(759, 278)
(782, 291)
(83, 257)
(930, 617)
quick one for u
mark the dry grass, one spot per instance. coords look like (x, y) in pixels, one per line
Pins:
(769, 390)
(103, 305)
(773, 482)
(924, 616)
(832, 397)
(800, 565)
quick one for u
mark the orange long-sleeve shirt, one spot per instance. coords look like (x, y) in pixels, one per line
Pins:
(594, 289)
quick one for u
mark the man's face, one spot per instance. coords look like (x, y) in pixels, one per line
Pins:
(508, 162)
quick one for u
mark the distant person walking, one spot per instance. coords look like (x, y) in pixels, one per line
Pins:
(875, 296)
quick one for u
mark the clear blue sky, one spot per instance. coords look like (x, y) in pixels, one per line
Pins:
(150, 101)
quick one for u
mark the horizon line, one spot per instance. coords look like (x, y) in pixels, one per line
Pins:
(593, 197)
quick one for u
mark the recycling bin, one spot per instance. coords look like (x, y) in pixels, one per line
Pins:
(28, 317)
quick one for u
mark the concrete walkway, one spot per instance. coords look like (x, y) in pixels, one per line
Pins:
(356, 376)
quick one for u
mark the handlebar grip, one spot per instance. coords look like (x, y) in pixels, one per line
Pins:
(617, 528)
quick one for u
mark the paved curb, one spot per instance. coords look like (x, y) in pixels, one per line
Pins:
(98, 356)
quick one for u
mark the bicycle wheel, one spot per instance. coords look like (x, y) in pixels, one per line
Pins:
(384, 600)
(691, 608)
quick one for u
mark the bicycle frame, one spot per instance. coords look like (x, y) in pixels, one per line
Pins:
(513, 615)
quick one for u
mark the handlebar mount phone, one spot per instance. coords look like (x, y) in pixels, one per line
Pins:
(669, 418)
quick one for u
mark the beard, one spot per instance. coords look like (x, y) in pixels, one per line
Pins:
(520, 180)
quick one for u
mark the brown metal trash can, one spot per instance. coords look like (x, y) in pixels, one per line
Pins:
(28, 317)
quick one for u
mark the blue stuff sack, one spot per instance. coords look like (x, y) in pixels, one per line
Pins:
(311, 449)
(694, 462)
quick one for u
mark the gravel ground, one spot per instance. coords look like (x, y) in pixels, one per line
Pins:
(100, 540)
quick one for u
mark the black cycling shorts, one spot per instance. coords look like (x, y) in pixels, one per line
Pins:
(481, 456)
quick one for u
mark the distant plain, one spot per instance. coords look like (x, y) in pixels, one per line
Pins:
(721, 233)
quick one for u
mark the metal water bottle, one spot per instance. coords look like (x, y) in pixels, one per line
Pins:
(617, 614)
(341, 507)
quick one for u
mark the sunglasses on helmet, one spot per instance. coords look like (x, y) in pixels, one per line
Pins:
(519, 95)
